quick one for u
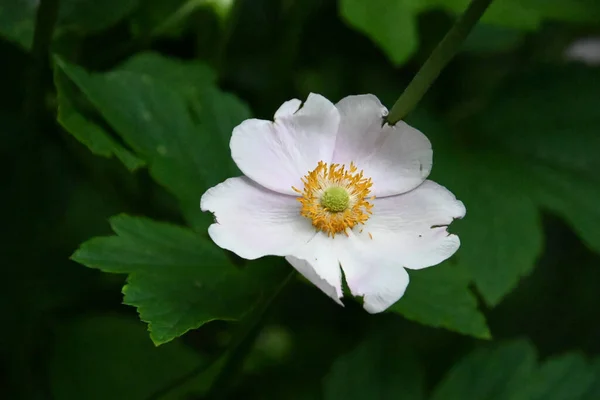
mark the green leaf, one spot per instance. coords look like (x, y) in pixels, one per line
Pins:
(379, 368)
(390, 24)
(440, 297)
(489, 374)
(85, 130)
(109, 357)
(567, 377)
(17, 17)
(178, 279)
(169, 122)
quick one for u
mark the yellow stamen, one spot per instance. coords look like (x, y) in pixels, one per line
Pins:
(324, 180)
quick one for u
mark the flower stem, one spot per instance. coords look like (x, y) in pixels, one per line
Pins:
(240, 348)
(438, 59)
(227, 365)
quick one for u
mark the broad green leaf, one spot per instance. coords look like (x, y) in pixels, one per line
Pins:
(190, 77)
(567, 377)
(378, 368)
(86, 131)
(178, 279)
(170, 128)
(110, 357)
(489, 374)
(440, 297)
(17, 17)
(390, 24)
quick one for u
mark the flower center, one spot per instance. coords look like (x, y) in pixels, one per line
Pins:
(335, 198)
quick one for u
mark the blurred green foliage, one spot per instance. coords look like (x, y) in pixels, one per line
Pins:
(111, 133)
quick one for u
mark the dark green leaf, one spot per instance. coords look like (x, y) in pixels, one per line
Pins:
(553, 135)
(379, 368)
(562, 378)
(440, 297)
(86, 131)
(178, 279)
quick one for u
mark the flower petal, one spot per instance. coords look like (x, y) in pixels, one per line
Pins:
(278, 154)
(375, 276)
(397, 158)
(318, 262)
(411, 228)
(253, 222)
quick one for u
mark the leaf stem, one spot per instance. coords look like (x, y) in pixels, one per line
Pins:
(438, 59)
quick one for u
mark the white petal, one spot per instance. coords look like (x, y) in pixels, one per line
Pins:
(288, 108)
(398, 158)
(411, 228)
(318, 262)
(253, 222)
(278, 154)
(381, 280)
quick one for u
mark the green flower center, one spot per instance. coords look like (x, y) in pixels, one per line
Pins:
(335, 199)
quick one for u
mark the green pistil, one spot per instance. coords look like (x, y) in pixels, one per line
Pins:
(335, 199)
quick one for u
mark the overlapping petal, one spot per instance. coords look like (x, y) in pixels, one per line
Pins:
(318, 261)
(278, 154)
(397, 158)
(372, 274)
(253, 222)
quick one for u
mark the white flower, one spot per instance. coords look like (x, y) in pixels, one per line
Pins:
(329, 186)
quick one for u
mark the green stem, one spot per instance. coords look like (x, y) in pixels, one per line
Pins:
(45, 21)
(438, 59)
(177, 17)
(234, 359)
